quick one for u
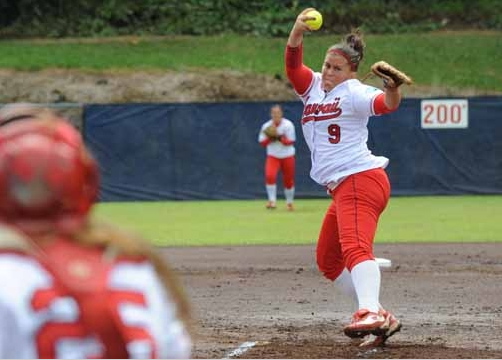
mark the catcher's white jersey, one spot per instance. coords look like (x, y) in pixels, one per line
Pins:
(335, 128)
(38, 319)
(276, 148)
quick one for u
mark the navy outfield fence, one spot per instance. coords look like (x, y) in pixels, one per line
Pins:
(210, 150)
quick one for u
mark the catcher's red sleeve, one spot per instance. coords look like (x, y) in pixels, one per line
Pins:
(379, 106)
(299, 75)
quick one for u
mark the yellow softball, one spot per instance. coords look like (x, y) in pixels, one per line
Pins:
(317, 22)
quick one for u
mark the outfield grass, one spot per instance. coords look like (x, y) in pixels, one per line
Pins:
(464, 59)
(407, 219)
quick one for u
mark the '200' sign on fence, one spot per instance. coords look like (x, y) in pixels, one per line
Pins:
(445, 114)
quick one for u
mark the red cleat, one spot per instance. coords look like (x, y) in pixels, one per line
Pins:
(290, 207)
(392, 326)
(365, 322)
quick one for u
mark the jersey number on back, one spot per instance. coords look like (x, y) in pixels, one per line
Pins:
(334, 132)
(62, 328)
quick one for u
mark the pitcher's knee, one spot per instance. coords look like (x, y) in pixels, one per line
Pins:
(356, 255)
(331, 269)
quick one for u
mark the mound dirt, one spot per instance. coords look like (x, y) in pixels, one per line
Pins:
(446, 296)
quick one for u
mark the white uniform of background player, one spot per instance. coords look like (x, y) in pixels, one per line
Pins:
(280, 156)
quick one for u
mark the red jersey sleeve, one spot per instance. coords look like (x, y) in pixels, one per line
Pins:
(265, 142)
(298, 74)
(379, 107)
(285, 141)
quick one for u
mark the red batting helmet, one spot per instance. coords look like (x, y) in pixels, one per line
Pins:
(48, 180)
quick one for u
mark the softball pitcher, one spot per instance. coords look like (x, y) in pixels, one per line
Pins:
(334, 121)
(278, 136)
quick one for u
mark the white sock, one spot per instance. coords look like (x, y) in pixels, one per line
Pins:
(290, 195)
(272, 192)
(345, 284)
(366, 279)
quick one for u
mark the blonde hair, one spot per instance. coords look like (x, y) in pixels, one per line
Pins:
(121, 243)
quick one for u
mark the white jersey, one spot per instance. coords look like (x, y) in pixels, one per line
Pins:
(276, 148)
(335, 128)
(38, 319)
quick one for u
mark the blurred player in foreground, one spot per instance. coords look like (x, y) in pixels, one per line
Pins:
(71, 288)
(278, 136)
(334, 121)
(24, 111)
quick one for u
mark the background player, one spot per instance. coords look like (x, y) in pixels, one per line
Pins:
(334, 121)
(72, 288)
(278, 136)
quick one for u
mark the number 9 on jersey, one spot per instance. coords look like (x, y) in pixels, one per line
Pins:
(334, 133)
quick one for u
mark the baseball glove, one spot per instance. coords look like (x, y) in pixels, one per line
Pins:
(271, 132)
(392, 77)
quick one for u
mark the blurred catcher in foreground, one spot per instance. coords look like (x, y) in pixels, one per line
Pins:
(25, 111)
(72, 288)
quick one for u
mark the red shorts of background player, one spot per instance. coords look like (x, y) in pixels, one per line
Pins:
(350, 223)
(286, 165)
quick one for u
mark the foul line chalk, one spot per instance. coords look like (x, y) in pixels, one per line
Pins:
(241, 349)
(383, 263)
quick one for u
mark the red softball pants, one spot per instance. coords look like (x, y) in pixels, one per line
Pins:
(350, 223)
(286, 165)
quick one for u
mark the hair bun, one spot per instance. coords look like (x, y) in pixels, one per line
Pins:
(356, 42)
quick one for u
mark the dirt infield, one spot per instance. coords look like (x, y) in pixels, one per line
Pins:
(448, 297)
